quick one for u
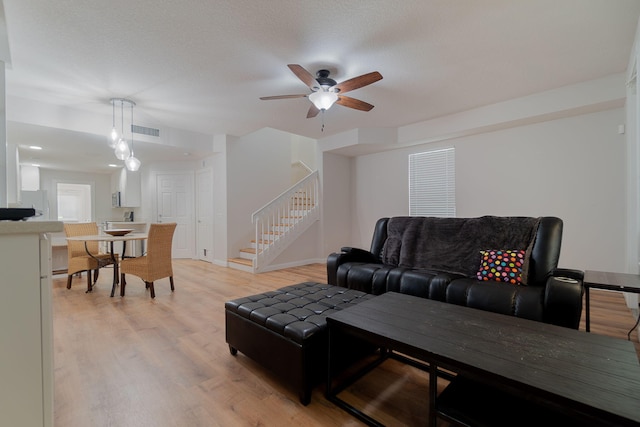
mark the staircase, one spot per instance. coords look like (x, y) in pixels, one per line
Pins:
(279, 223)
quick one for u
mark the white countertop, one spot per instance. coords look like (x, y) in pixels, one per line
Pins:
(29, 227)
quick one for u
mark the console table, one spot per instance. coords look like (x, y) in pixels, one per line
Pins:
(620, 282)
(592, 378)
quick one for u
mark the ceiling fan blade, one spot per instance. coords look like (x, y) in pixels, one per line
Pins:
(268, 98)
(304, 75)
(358, 82)
(313, 111)
(346, 101)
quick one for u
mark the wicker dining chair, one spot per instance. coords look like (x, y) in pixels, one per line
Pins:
(156, 264)
(77, 258)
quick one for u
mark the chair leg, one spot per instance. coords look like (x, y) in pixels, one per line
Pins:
(96, 272)
(153, 291)
(171, 281)
(89, 287)
(123, 283)
(69, 279)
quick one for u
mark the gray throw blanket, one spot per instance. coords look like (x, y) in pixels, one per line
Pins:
(453, 244)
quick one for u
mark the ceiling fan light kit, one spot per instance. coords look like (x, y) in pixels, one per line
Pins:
(322, 99)
(325, 91)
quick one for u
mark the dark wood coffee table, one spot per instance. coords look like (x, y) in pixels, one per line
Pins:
(592, 377)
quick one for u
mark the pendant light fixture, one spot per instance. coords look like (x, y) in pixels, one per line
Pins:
(132, 163)
(114, 132)
(121, 148)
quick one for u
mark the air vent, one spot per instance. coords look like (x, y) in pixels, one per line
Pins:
(145, 131)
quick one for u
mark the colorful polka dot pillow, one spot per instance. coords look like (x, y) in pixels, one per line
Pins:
(502, 266)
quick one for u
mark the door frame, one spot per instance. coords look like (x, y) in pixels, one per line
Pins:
(197, 200)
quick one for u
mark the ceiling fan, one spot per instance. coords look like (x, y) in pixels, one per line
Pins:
(326, 91)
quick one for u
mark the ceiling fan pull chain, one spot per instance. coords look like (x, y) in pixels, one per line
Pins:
(322, 128)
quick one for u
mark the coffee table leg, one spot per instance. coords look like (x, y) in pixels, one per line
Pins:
(433, 393)
(587, 320)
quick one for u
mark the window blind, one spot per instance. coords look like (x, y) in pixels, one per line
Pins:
(432, 183)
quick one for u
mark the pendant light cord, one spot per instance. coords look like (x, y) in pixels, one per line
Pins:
(131, 129)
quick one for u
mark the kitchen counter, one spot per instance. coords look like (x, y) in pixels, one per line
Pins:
(27, 227)
(26, 359)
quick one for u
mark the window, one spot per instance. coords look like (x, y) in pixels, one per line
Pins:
(74, 202)
(432, 183)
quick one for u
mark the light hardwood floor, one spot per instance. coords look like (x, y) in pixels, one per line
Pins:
(134, 361)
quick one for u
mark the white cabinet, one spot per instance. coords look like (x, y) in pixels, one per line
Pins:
(26, 335)
(129, 185)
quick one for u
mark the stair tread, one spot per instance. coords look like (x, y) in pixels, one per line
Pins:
(249, 250)
(243, 261)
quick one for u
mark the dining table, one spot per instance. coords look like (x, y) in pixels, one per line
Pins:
(110, 239)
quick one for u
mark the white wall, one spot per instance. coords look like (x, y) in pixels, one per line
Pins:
(218, 164)
(304, 150)
(573, 168)
(337, 203)
(258, 170)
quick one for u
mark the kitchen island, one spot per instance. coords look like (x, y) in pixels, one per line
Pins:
(26, 337)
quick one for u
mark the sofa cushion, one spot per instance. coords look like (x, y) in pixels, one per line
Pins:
(526, 302)
(452, 244)
(502, 266)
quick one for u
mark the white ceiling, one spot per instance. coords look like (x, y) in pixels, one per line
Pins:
(201, 65)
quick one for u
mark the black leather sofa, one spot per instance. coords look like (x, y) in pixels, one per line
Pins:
(440, 258)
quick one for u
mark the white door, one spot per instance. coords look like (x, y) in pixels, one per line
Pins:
(204, 215)
(175, 204)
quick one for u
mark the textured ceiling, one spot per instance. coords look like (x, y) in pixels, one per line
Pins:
(201, 65)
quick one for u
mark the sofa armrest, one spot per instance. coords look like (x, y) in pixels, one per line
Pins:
(569, 273)
(563, 298)
(347, 254)
(359, 255)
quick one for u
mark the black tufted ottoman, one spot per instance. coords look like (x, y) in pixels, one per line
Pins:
(285, 331)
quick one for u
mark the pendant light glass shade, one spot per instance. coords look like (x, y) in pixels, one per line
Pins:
(114, 131)
(132, 163)
(122, 149)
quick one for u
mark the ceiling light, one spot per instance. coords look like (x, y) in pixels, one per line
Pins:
(111, 165)
(114, 132)
(323, 99)
(35, 147)
(132, 163)
(121, 149)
